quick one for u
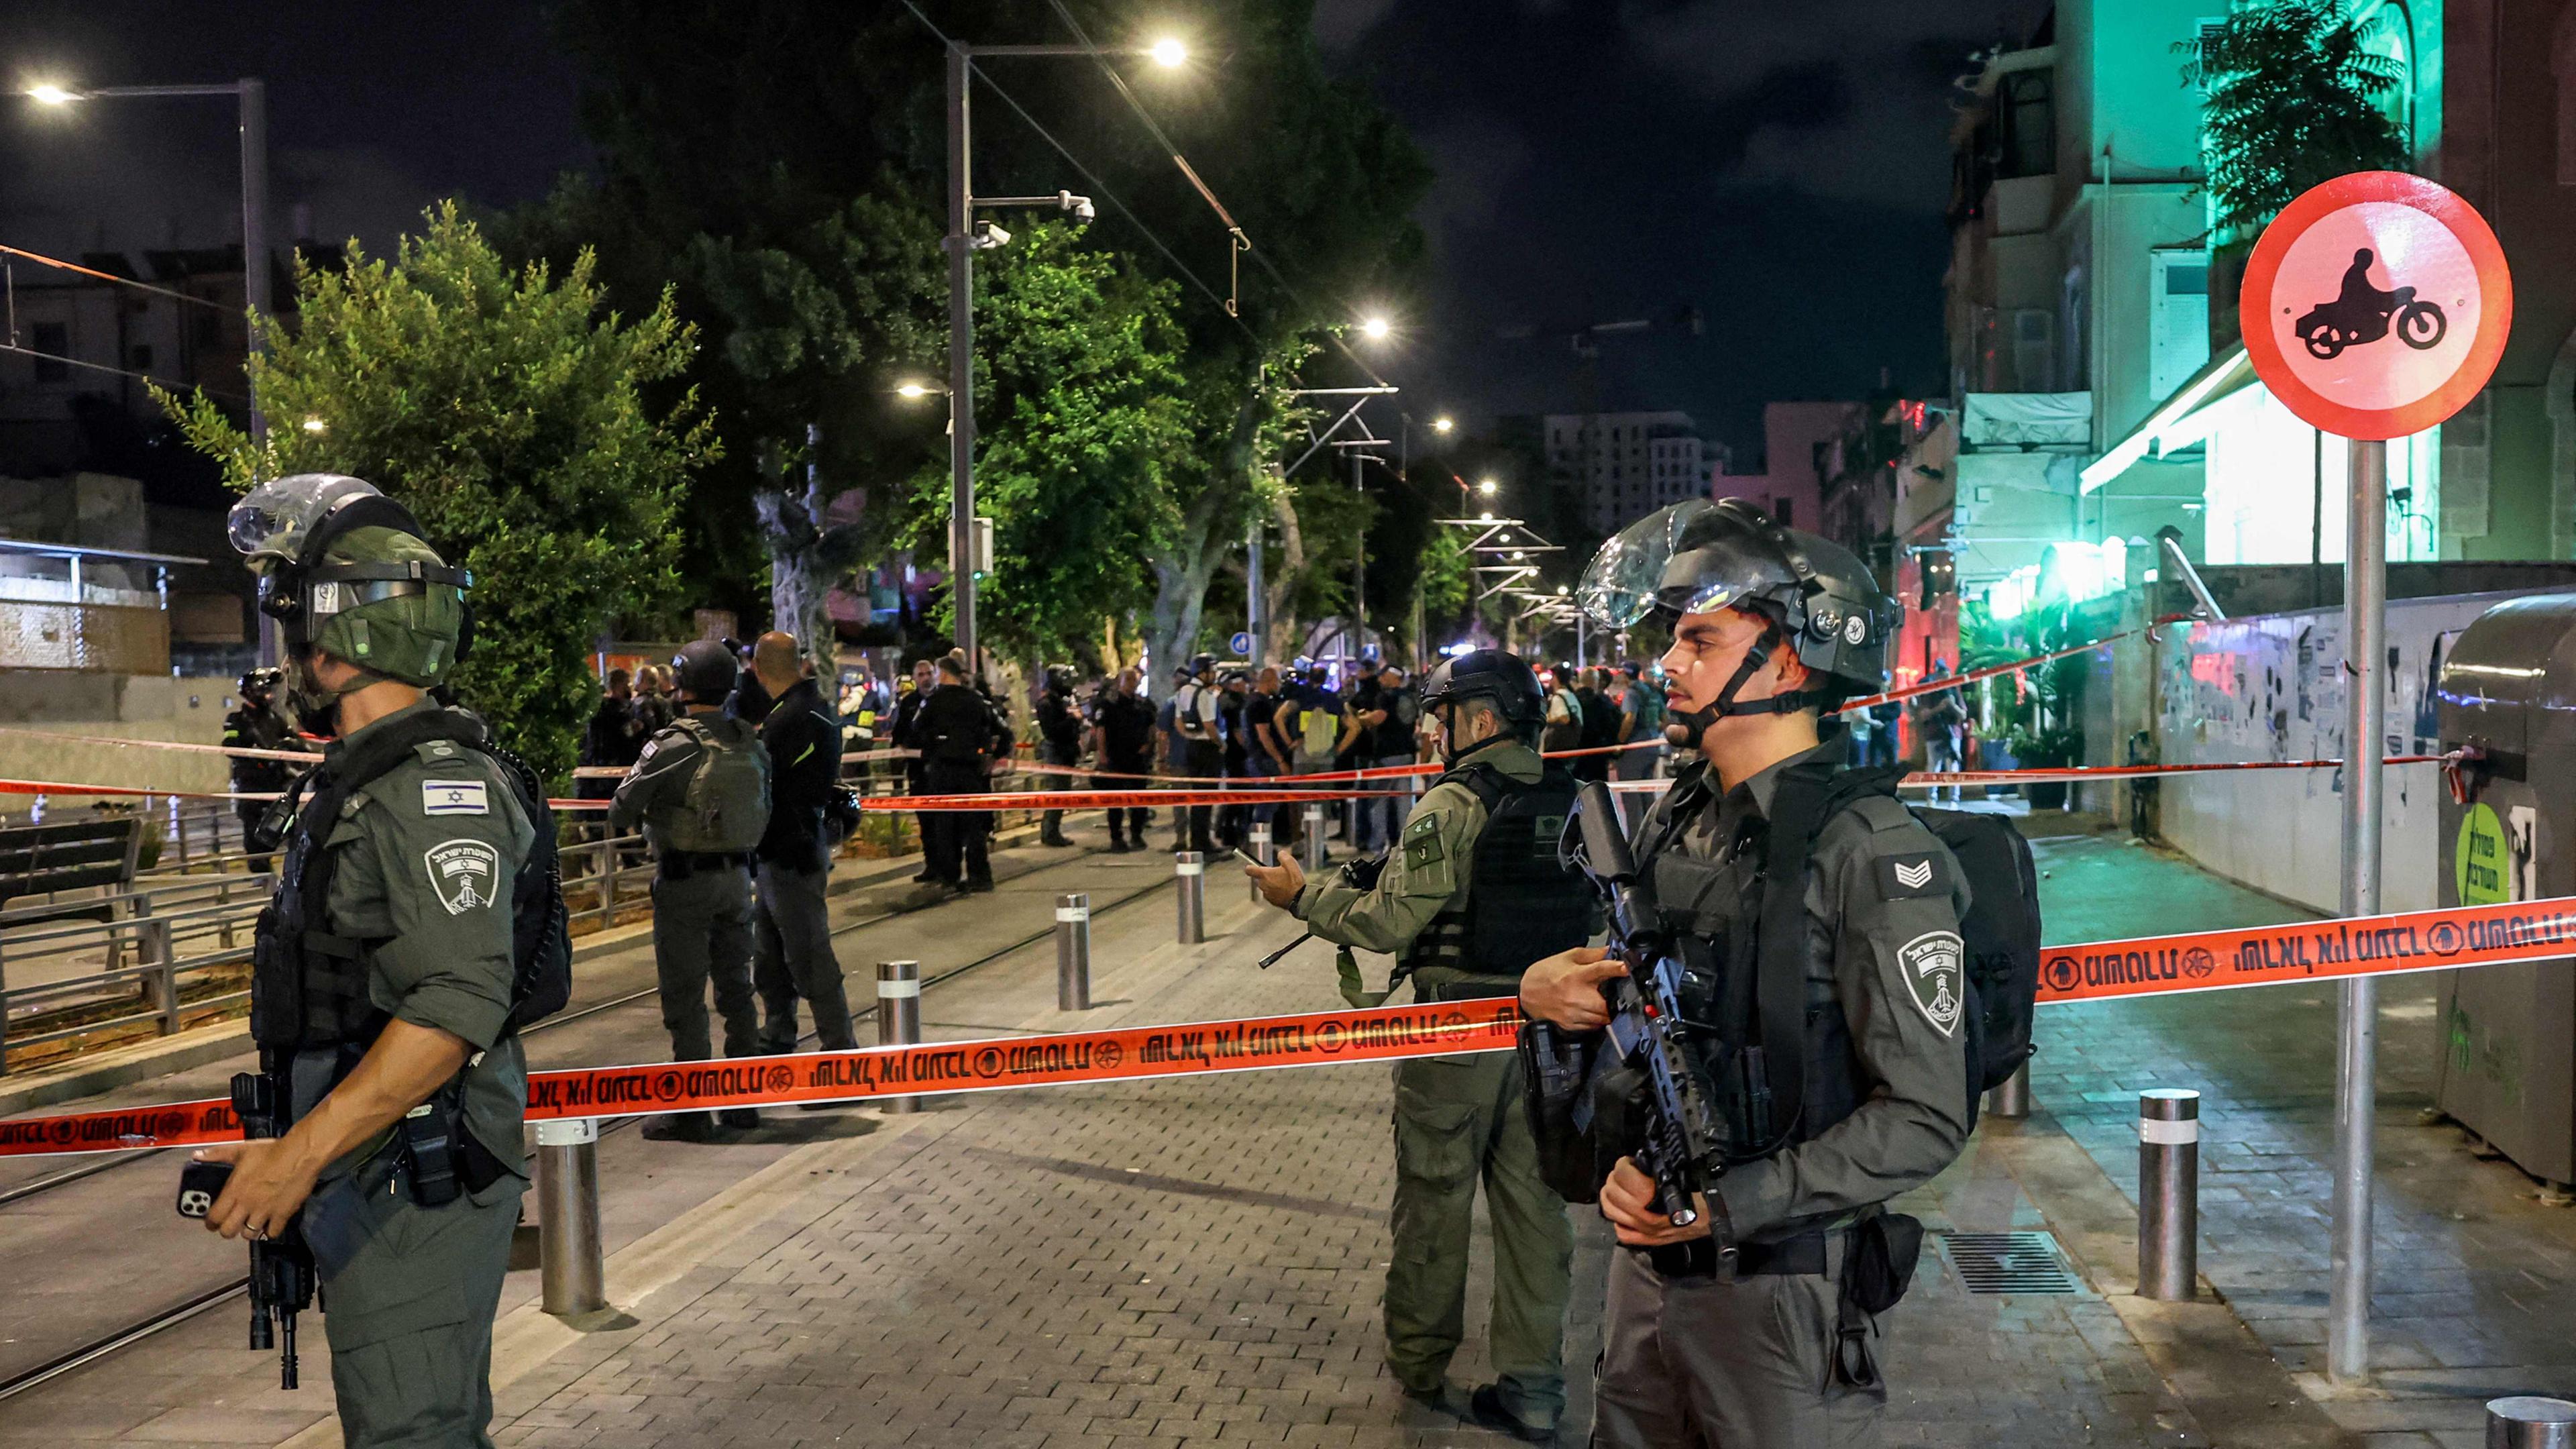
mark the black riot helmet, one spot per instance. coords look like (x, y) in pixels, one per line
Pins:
(1497, 676)
(1697, 556)
(261, 684)
(705, 670)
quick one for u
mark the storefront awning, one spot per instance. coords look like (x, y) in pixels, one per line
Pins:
(2176, 422)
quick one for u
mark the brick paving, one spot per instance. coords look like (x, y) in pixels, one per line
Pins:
(2474, 1293)
(1199, 1261)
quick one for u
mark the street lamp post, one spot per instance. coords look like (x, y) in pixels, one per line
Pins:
(252, 95)
(962, 243)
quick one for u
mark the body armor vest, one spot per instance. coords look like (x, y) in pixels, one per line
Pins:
(308, 986)
(1525, 906)
(1754, 992)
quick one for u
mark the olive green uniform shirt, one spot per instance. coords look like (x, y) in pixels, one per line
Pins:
(426, 856)
(1427, 868)
(1884, 946)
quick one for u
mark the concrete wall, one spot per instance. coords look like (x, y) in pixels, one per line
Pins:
(2272, 688)
(36, 706)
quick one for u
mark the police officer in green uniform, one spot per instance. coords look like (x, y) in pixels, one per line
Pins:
(702, 793)
(386, 997)
(1740, 1329)
(1466, 896)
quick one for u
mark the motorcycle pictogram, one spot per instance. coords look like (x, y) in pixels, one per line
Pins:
(2363, 314)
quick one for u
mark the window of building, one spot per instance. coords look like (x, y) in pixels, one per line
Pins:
(54, 338)
(2179, 328)
(2034, 344)
(2026, 125)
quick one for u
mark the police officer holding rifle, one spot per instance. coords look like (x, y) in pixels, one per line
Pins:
(1789, 1036)
(416, 928)
(1468, 892)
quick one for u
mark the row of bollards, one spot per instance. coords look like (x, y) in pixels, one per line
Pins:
(572, 1264)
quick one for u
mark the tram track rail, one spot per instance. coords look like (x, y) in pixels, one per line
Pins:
(196, 1305)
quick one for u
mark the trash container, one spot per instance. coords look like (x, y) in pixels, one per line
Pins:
(2507, 691)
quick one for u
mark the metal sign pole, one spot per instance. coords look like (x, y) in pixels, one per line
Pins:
(2365, 629)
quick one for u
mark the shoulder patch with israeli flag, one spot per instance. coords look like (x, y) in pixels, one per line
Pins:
(466, 874)
(455, 797)
(1935, 972)
(1913, 875)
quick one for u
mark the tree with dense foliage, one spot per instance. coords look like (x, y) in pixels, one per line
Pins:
(728, 132)
(508, 409)
(2293, 96)
(1080, 389)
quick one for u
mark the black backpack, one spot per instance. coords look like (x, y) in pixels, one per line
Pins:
(540, 923)
(2000, 932)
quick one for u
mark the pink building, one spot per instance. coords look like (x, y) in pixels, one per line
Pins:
(1789, 488)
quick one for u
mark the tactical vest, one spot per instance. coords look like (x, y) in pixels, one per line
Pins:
(308, 985)
(1522, 905)
(725, 807)
(1720, 912)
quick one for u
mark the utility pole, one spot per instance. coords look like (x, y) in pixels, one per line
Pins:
(961, 359)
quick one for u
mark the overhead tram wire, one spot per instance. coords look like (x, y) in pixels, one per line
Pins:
(1172, 148)
(10, 345)
(1090, 178)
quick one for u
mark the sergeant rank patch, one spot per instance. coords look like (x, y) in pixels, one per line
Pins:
(1911, 877)
(1935, 971)
(466, 874)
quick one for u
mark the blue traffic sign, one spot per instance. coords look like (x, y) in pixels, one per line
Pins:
(1241, 643)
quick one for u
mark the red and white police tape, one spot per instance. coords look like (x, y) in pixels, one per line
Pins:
(2435, 940)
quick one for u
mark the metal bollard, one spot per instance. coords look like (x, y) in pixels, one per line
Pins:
(899, 1015)
(570, 1262)
(1260, 851)
(1312, 843)
(2169, 1194)
(2011, 1100)
(1191, 868)
(1073, 952)
(2531, 1423)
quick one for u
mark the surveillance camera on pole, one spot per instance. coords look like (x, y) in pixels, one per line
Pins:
(988, 236)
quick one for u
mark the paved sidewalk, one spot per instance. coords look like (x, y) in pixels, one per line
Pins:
(2475, 1284)
(1198, 1261)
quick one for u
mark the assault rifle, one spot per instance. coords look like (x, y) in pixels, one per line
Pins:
(1683, 1140)
(281, 1267)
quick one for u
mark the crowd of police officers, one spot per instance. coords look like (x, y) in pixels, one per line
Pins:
(395, 968)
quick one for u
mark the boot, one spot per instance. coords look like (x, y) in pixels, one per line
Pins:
(740, 1118)
(681, 1127)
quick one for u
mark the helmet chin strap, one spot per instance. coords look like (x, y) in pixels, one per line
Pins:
(1726, 706)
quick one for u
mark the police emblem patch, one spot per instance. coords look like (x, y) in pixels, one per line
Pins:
(1422, 845)
(1935, 971)
(466, 874)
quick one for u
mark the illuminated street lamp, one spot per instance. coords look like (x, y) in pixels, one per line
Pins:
(1375, 328)
(252, 95)
(1489, 487)
(963, 240)
(1443, 425)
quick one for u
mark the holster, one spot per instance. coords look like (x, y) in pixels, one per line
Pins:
(1879, 1254)
(1557, 1070)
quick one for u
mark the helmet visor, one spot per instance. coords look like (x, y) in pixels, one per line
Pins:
(274, 521)
(1621, 584)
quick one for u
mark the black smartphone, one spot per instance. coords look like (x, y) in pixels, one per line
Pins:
(200, 1183)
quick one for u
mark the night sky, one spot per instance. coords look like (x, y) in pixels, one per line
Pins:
(1779, 164)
